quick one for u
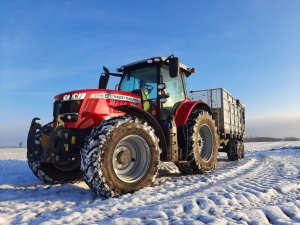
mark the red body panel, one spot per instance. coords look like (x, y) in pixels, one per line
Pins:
(98, 105)
(184, 110)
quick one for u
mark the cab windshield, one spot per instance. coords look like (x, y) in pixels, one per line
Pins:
(136, 80)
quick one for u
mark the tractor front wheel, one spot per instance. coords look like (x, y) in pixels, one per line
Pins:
(120, 156)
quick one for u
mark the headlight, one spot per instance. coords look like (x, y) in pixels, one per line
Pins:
(66, 97)
(78, 96)
(69, 117)
(75, 96)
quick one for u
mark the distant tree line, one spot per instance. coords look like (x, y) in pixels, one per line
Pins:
(269, 139)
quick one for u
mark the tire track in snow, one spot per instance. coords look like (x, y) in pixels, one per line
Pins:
(252, 190)
(173, 189)
(257, 191)
(243, 193)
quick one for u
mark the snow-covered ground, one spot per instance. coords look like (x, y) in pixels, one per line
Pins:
(263, 188)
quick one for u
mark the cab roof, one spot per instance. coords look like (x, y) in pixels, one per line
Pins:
(149, 61)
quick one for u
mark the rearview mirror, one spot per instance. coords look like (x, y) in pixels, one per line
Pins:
(104, 78)
(106, 71)
(173, 67)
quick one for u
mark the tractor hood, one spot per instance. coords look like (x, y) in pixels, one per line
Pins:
(89, 107)
(98, 94)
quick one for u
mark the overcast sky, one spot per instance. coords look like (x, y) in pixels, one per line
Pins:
(251, 48)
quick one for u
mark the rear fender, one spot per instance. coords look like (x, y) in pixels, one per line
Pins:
(184, 110)
(134, 111)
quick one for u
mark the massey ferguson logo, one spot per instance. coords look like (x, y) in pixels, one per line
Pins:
(116, 97)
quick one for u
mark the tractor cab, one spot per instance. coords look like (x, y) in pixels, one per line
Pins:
(159, 81)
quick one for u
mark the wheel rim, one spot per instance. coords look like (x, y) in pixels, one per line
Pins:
(206, 143)
(131, 158)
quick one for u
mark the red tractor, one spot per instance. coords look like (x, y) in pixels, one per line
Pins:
(115, 139)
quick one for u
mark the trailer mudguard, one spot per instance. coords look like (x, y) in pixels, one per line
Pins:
(184, 110)
(140, 113)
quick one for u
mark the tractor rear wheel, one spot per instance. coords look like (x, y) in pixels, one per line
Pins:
(202, 142)
(48, 172)
(235, 150)
(120, 156)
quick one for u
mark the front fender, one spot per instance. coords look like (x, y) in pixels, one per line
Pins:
(184, 110)
(134, 111)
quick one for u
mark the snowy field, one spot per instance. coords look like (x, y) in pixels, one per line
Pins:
(263, 188)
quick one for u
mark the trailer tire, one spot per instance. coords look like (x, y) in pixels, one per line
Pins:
(47, 172)
(202, 142)
(242, 149)
(120, 156)
(235, 150)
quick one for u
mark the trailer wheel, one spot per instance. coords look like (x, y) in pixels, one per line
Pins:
(202, 144)
(235, 150)
(120, 156)
(242, 149)
(47, 172)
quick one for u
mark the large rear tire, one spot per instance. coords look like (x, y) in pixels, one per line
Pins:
(202, 142)
(48, 172)
(120, 156)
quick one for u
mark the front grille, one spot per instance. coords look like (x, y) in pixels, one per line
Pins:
(63, 107)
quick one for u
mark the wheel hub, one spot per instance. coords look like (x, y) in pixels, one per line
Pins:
(124, 156)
